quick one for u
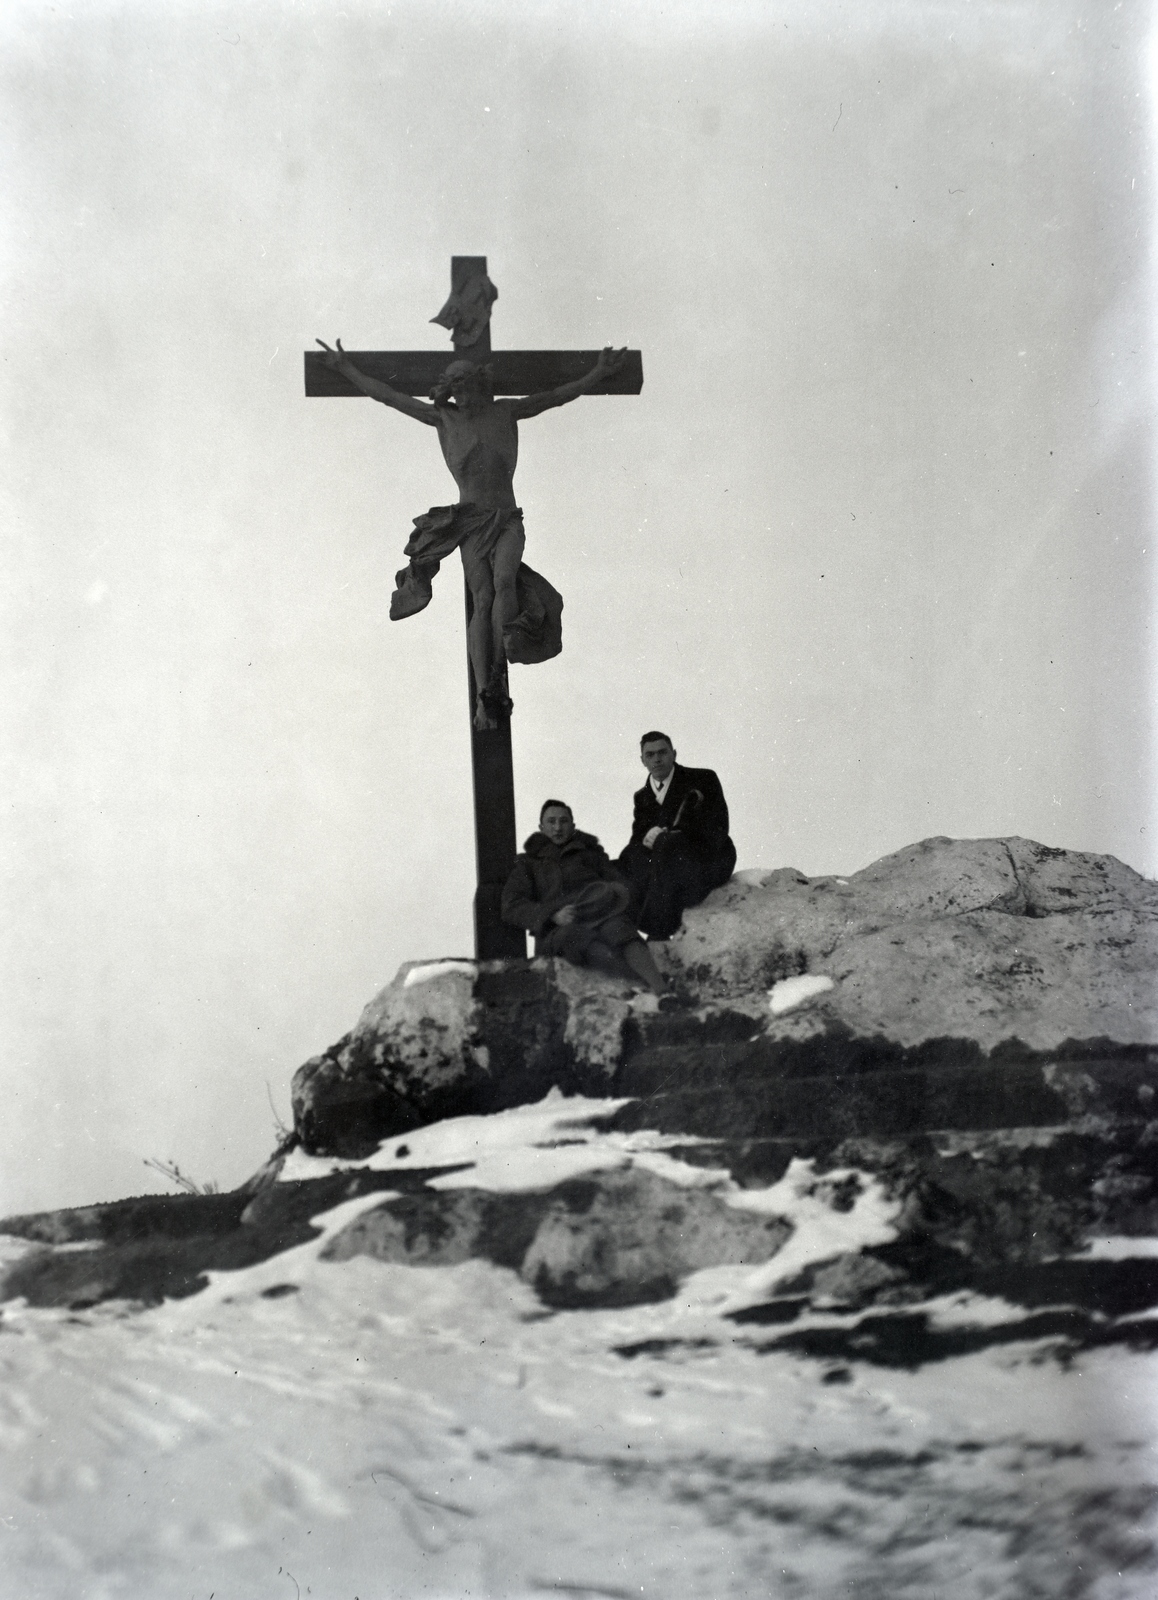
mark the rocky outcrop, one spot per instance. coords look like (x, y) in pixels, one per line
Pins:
(611, 1238)
(989, 982)
(954, 1051)
(868, 1236)
(454, 1037)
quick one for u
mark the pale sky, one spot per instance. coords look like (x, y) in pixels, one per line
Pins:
(876, 542)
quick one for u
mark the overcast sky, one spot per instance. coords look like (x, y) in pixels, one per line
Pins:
(875, 542)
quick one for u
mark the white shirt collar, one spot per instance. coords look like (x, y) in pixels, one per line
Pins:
(660, 789)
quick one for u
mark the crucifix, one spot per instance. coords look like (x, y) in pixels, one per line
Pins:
(512, 613)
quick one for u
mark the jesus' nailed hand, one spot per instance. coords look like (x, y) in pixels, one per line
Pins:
(480, 444)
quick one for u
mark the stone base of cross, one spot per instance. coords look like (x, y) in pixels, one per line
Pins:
(513, 372)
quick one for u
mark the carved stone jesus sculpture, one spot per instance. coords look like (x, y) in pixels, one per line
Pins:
(515, 613)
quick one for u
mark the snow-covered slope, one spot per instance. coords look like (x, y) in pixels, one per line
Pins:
(354, 1429)
(838, 1280)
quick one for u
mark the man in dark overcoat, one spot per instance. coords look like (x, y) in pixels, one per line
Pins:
(679, 850)
(566, 892)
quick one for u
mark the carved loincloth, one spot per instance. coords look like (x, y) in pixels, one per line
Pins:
(536, 634)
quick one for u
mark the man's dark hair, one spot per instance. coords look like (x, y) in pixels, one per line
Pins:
(649, 738)
(562, 804)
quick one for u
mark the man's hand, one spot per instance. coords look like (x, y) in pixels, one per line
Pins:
(609, 361)
(649, 838)
(565, 916)
(334, 358)
(607, 364)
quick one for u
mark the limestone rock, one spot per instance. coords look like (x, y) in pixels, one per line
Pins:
(610, 1238)
(748, 933)
(976, 1053)
(991, 958)
(1006, 1212)
(630, 1236)
(448, 1037)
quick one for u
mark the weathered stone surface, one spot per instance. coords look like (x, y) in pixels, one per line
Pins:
(987, 1054)
(731, 1091)
(748, 933)
(1005, 1213)
(344, 1103)
(623, 1237)
(990, 978)
(452, 1037)
(989, 959)
(610, 1238)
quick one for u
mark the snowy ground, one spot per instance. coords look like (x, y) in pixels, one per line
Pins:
(360, 1431)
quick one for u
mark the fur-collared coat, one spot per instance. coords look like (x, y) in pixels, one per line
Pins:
(548, 876)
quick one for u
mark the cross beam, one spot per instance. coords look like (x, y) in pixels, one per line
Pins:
(514, 372)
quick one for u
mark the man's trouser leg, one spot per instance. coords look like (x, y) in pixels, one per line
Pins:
(673, 883)
(635, 864)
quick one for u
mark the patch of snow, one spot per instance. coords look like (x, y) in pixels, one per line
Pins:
(1118, 1247)
(518, 1169)
(966, 1308)
(436, 969)
(792, 992)
(651, 1139)
(808, 1201)
(14, 1249)
(682, 1172)
(247, 1444)
(528, 1147)
(754, 877)
(538, 1146)
(294, 1265)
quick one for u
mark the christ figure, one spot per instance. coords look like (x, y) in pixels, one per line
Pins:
(515, 613)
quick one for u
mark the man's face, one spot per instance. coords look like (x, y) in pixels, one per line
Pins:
(557, 824)
(658, 757)
(468, 391)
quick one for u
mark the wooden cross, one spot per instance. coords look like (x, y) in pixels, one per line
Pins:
(514, 372)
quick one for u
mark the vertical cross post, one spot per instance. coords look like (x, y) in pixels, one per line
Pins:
(492, 767)
(516, 372)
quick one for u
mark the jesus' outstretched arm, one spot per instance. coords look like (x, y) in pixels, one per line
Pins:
(606, 366)
(420, 410)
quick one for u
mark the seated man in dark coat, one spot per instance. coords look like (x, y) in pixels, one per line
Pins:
(565, 891)
(679, 849)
